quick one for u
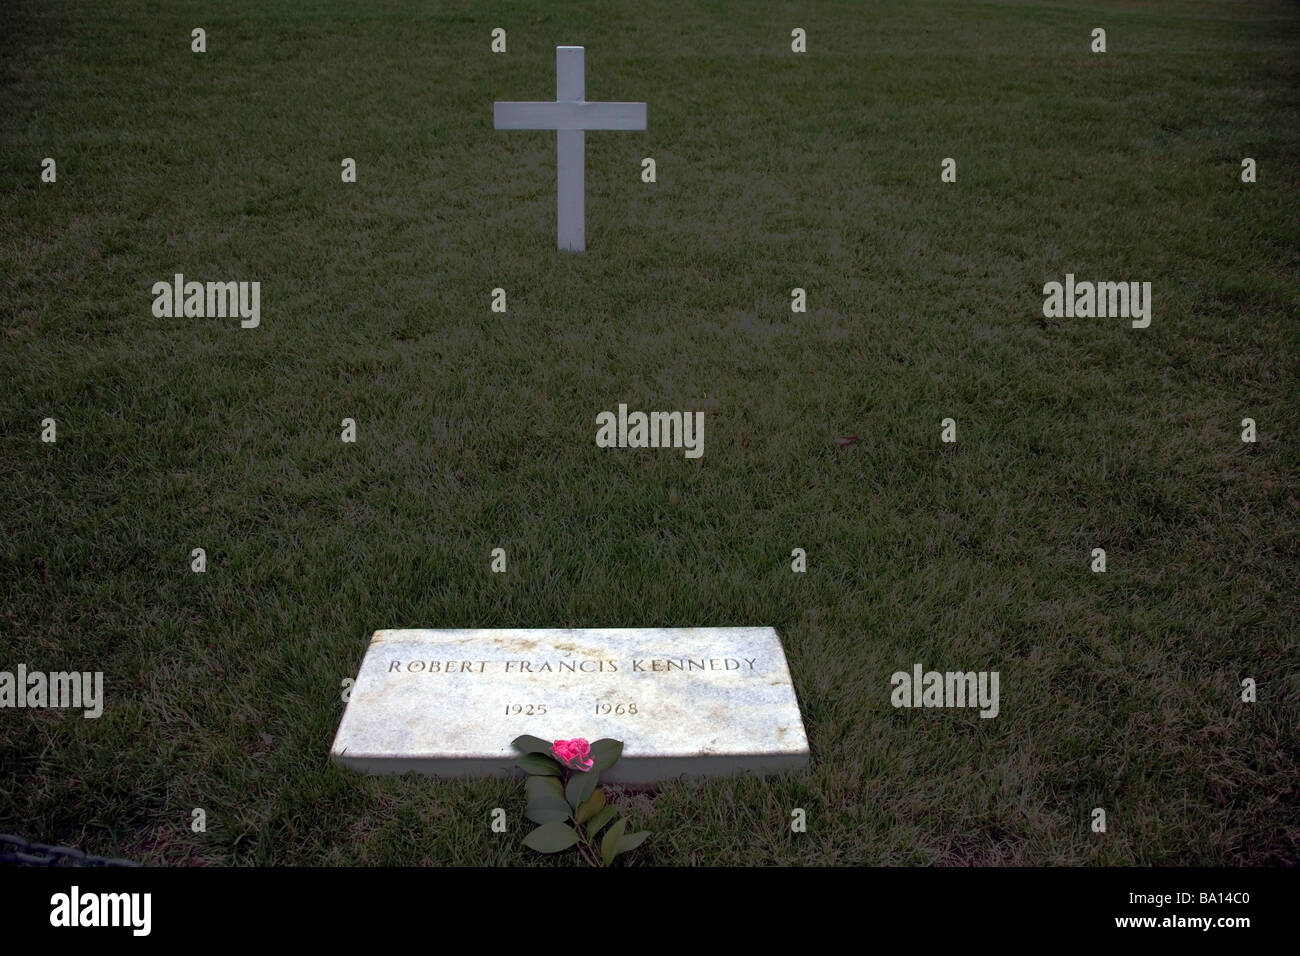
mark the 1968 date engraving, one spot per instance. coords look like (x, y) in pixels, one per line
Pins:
(617, 709)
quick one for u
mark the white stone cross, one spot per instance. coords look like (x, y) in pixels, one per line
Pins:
(570, 116)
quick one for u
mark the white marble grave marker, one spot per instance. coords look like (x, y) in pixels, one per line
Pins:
(570, 116)
(692, 701)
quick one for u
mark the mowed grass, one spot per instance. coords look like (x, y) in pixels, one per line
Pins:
(476, 429)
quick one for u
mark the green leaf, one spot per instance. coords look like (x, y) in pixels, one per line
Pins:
(539, 787)
(600, 819)
(546, 803)
(605, 752)
(632, 841)
(551, 838)
(535, 763)
(528, 744)
(590, 806)
(580, 788)
(609, 845)
(548, 812)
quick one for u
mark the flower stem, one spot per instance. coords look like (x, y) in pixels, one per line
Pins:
(586, 849)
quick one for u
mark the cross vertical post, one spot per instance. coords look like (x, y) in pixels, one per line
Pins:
(571, 153)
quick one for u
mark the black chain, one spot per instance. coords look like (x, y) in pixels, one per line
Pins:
(14, 850)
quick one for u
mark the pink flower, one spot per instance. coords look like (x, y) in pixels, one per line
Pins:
(574, 754)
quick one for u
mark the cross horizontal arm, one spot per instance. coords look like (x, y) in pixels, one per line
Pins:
(568, 115)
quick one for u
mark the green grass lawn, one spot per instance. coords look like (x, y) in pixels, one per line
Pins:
(476, 429)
